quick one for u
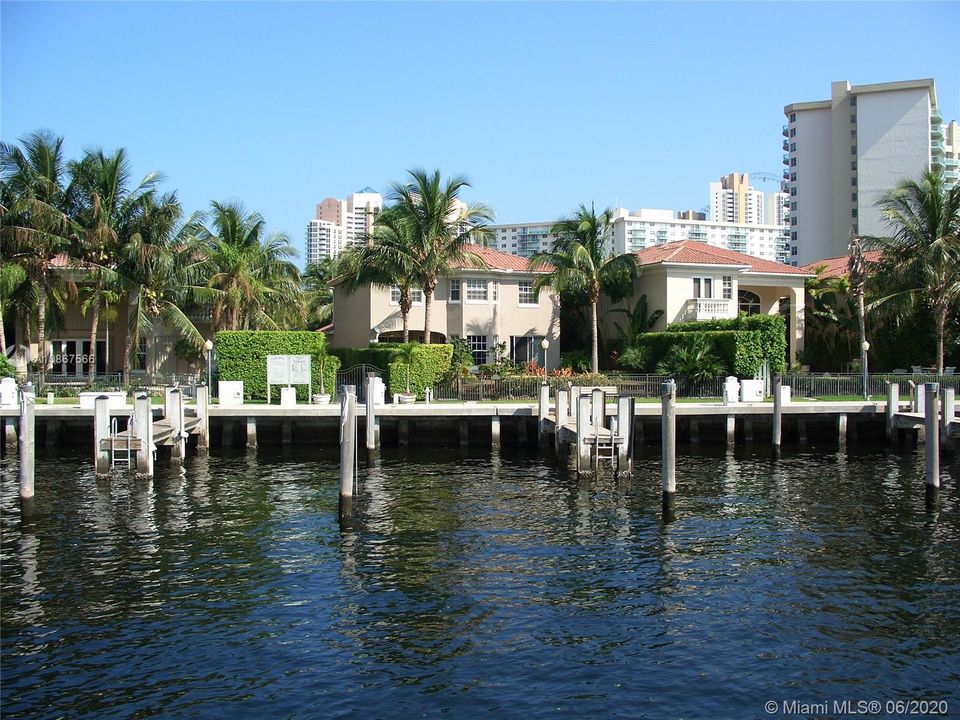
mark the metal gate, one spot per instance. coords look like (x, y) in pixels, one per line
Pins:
(357, 375)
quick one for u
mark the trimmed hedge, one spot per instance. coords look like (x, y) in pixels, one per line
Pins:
(242, 355)
(772, 330)
(430, 364)
(739, 350)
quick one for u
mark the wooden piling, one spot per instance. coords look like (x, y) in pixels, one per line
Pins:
(203, 416)
(625, 417)
(9, 431)
(178, 435)
(101, 436)
(777, 413)
(373, 436)
(495, 431)
(463, 432)
(251, 432)
(348, 451)
(27, 441)
(932, 449)
(561, 415)
(893, 404)
(143, 431)
(947, 413)
(668, 445)
(543, 412)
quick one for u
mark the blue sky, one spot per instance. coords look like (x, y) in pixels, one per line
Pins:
(541, 105)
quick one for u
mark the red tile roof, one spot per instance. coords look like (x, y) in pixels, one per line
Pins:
(837, 266)
(497, 260)
(693, 252)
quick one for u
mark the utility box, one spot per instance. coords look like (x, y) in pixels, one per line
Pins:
(8, 392)
(230, 392)
(785, 393)
(288, 397)
(751, 391)
(731, 390)
(379, 392)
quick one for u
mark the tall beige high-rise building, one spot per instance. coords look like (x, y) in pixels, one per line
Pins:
(340, 223)
(843, 153)
(733, 200)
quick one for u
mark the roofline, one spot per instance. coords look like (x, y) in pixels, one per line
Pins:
(678, 263)
(918, 84)
(814, 105)
(782, 274)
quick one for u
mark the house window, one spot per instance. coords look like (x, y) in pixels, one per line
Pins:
(478, 346)
(748, 302)
(476, 290)
(140, 358)
(727, 287)
(455, 290)
(527, 294)
(416, 295)
(526, 348)
(496, 291)
(703, 287)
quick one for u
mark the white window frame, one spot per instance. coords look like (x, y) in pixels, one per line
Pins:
(700, 283)
(455, 286)
(478, 285)
(414, 294)
(535, 294)
(726, 284)
(478, 344)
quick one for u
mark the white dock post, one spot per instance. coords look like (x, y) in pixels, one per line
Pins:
(495, 431)
(625, 412)
(27, 441)
(598, 410)
(101, 436)
(168, 408)
(842, 431)
(543, 412)
(348, 450)
(251, 432)
(777, 413)
(178, 448)
(373, 439)
(668, 446)
(583, 432)
(893, 403)
(947, 413)
(143, 430)
(731, 423)
(9, 431)
(932, 450)
(203, 415)
(562, 413)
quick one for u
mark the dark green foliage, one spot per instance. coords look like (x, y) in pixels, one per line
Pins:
(576, 360)
(430, 364)
(772, 330)
(7, 368)
(694, 357)
(242, 355)
(739, 351)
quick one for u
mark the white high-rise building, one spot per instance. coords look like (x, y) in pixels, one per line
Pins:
(951, 152)
(733, 200)
(340, 223)
(843, 153)
(777, 208)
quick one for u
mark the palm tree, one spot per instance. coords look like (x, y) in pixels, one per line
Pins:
(441, 228)
(316, 292)
(923, 254)
(160, 267)
(389, 259)
(11, 277)
(251, 278)
(582, 260)
(108, 214)
(37, 226)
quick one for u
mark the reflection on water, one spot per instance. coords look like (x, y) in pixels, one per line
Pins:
(476, 582)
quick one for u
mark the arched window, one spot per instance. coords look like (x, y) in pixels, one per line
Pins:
(748, 302)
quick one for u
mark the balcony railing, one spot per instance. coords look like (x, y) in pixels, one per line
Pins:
(710, 309)
(786, 130)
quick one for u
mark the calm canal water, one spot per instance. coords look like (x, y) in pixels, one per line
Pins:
(475, 585)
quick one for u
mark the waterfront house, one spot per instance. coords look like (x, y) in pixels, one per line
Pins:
(485, 307)
(691, 280)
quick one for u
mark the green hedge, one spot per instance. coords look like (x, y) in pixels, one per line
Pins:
(242, 355)
(771, 328)
(430, 364)
(740, 351)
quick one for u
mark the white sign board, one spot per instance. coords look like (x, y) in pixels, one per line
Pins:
(299, 369)
(288, 370)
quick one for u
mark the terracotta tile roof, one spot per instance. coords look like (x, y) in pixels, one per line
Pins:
(693, 252)
(837, 266)
(497, 260)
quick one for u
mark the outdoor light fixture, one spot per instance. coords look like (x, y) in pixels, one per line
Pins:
(544, 344)
(864, 346)
(208, 348)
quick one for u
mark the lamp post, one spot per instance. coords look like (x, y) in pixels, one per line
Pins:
(545, 344)
(864, 346)
(208, 349)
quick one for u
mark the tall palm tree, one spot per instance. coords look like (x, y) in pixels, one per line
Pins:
(11, 277)
(160, 267)
(251, 278)
(441, 228)
(582, 260)
(108, 213)
(922, 256)
(316, 291)
(389, 258)
(37, 226)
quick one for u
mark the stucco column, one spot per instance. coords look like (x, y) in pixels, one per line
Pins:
(797, 298)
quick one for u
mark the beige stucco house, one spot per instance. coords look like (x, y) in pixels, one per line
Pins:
(483, 306)
(692, 280)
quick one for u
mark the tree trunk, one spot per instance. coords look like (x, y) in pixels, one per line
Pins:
(42, 335)
(94, 321)
(126, 359)
(3, 336)
(427, 303)
(941, 323)
(406, 302)
(595, 351)
(22, 330)
(861, 319)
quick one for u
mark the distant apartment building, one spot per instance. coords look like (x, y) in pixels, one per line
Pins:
(951, 152)
(691, 215)
(341, 223)
(777, 208)
(634, 231)
(841, 154)
(733, 200)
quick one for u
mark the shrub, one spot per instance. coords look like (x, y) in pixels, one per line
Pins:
(7, 368)
(694, 357)
(739, 351)
(636, 358)
(431, 363)
(576, 360)
(772, 337)
(242, 355)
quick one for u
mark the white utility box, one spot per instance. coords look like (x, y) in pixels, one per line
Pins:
(731, 391)
(8, 392)
(115, 399)
(379, 392)
(784, 394)
(230, 392)
(751, 391)
(288, 397)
